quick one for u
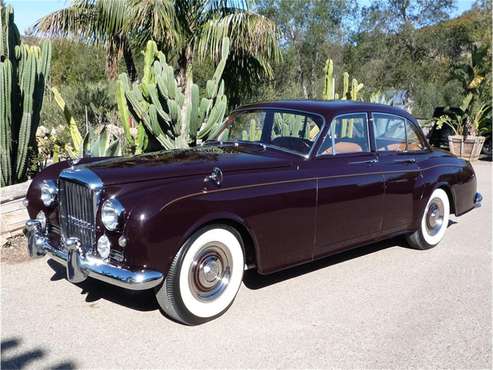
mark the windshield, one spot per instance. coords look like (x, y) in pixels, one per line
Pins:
(291, 131)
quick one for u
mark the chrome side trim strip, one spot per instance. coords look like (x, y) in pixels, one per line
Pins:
(301, 180)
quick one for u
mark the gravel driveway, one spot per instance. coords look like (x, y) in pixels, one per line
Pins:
(382, 306)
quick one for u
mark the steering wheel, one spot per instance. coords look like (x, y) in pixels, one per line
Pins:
(293, 143)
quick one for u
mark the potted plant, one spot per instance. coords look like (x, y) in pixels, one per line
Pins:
(469, 120)
(468, 123)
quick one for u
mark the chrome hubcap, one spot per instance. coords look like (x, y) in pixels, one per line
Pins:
(210, 271)
(435, 216)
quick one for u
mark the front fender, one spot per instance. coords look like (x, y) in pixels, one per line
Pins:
(160, 223)
(52, 172)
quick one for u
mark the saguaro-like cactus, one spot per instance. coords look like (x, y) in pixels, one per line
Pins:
(23, 72)
(159, 104)
(348, 91)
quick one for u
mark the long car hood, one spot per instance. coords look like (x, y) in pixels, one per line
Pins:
(179, 163)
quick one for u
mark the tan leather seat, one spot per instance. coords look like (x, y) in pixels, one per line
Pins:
(398, 147)
(345, 147)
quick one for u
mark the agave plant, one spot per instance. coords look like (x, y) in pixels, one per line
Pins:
(469, 119)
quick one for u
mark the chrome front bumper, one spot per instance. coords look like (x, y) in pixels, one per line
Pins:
(80, 266)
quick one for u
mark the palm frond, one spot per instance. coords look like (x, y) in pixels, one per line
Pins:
(154, 20)
(94, 21)
(249, 32)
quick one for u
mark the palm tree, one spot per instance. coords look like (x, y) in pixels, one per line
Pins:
(95, 22)
(185, 30)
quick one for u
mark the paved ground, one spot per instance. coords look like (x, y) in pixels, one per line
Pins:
(384, 306)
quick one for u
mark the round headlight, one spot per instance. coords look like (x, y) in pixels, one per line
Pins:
(111, 214)
(48, 192)
(41, 217)
(104, 245)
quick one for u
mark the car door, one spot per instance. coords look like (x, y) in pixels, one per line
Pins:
(397, 161)
(349, 189)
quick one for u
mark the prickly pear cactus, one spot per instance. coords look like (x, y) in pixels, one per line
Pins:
(159, 104)
(24, 70)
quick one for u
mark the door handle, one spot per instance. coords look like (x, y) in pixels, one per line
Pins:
(409, 160)
(370, 161)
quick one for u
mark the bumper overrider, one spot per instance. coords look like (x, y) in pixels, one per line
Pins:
(478, 198)
(80, 266)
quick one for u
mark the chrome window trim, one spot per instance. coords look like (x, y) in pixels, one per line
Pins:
(333, 154)
(291, 110)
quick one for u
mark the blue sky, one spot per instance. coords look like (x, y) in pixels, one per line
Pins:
(28, 11)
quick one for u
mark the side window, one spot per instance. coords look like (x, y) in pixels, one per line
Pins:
(247, 126)
(413, 139)
(347, 134)
(294, 125)
(390, 132)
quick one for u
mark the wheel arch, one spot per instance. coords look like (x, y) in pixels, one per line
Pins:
(448, 189)
(250, 244)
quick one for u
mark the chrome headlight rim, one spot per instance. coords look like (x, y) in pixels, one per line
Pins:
(112, 214)
(49, 191)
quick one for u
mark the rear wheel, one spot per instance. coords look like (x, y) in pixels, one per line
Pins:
(434, 222)
(205, 276)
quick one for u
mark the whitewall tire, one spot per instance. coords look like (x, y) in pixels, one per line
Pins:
(205, 276)
(434, 222)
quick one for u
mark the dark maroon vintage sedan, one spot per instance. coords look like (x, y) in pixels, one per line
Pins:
(282, 184)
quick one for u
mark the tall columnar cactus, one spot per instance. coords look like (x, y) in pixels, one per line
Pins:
(23, 73)
(329, 85)
(348, 91)
(161, 106)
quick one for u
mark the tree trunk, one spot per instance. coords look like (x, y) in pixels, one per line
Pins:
(111, 61)
(129, 60)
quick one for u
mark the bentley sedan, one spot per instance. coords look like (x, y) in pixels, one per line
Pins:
(282, 183)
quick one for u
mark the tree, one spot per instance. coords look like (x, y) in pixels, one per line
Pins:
(97, 22)
(183, 29)
(311, 31)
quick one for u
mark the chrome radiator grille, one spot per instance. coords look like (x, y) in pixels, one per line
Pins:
(77, 212)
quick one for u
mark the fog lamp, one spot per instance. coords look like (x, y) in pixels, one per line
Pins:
(104, 245)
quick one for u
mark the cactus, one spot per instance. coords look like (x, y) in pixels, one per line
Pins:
(348, 91)
(356, 87)
(329, 85)
(345, 86)
(23, 73)
(161, 107)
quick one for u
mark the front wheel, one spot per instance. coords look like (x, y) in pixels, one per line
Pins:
(434, 222)
(204, 277)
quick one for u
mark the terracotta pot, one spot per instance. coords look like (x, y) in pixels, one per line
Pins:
(467, 148)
